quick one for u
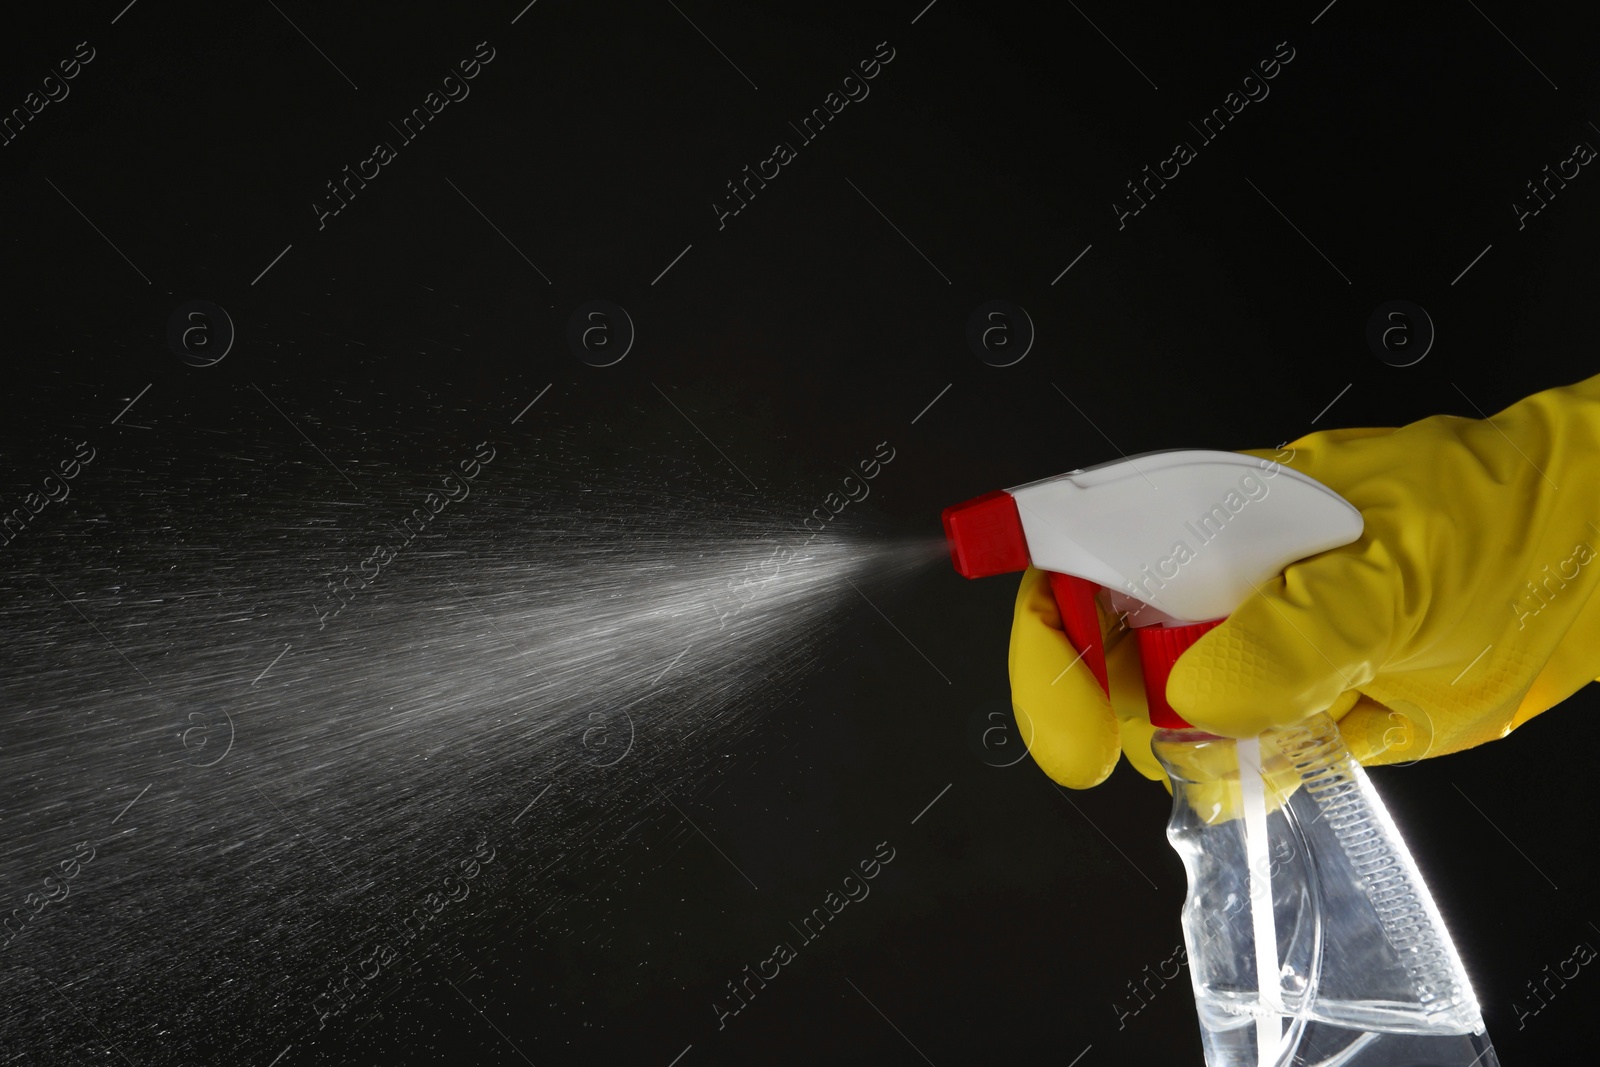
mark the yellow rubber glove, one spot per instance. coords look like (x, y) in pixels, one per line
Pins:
(1463, 610)
(1072, 731)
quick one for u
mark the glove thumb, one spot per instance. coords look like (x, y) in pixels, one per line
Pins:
(1321, 628)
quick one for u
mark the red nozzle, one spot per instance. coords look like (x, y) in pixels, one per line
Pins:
(985, 536)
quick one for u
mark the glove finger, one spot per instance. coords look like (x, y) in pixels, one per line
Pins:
(1068, 722)
(1283, 654)
(1126, 675)
(1377, 734)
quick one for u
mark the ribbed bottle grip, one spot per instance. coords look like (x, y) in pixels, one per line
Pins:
(1363, 828)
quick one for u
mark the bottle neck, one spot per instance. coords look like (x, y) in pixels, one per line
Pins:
(1159, 649)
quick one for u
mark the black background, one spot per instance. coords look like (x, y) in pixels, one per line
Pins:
(797, 336)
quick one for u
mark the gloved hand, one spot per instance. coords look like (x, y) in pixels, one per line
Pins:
(1462, 611)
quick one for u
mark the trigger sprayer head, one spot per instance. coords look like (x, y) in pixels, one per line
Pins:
(1188, 533)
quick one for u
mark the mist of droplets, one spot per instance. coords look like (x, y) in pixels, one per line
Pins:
(267, 788)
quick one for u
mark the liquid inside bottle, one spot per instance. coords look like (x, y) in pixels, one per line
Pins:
(1312, 939)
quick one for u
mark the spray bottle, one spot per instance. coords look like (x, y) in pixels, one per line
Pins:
(1312, 939)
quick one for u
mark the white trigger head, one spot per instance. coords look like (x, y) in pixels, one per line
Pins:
(1190, 532)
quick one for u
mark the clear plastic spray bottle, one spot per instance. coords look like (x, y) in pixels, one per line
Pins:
(1312, 939)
